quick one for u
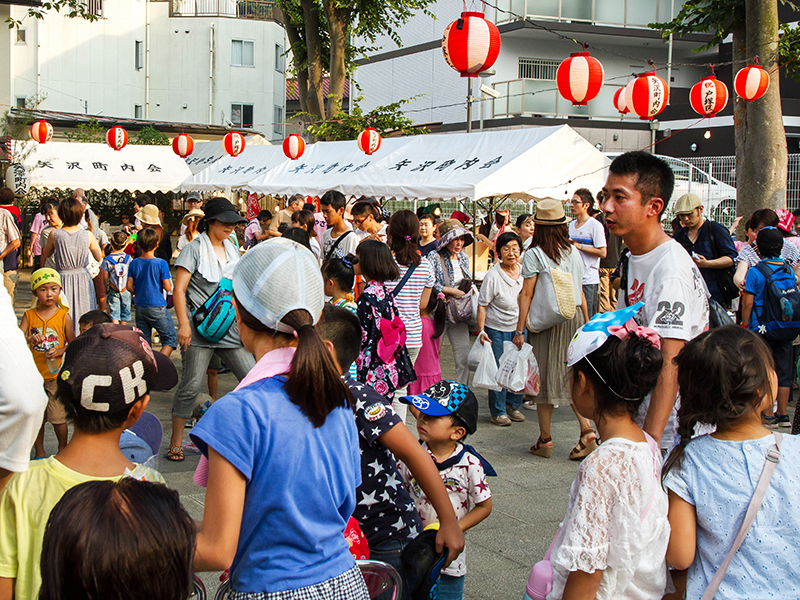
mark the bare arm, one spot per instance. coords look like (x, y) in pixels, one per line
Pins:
(747, 308)
(129, 285)
(49, 248)
(406, 448)
(723, 262)
(478, 513)
(6, 584)
(482, 324)
(10, 248)
(663, 397)
(741, 274)
(167, 283)
(69, 329)
(182, 278)
(94, 248)
(34, 237)
(581, 585)
(591, 250)
(584, 307)
(683, 532)
(425, 298)
(524, 301)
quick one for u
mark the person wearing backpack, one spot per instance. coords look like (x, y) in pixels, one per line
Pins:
(771, 308)
(115, 275)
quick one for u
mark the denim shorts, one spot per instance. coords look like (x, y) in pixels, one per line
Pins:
(160, 319)
(119, 305)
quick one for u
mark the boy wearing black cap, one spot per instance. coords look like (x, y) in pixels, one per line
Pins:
(448, 412)
(104, 383)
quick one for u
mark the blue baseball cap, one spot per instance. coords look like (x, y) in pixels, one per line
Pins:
(447, 398)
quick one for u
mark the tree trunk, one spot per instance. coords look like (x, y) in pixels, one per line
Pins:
(338, 24)
(299, 57)
(316, 96)
(764, 168)
(740, 121)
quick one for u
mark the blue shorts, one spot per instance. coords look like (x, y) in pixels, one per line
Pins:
(160, 319)
(119, 305)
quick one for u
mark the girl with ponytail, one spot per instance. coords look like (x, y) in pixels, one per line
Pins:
(726, 379)
(283, 450)
(614, 536)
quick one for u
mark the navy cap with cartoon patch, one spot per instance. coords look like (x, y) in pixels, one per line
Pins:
(447, 398)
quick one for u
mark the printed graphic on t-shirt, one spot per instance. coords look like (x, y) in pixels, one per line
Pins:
(50, 339)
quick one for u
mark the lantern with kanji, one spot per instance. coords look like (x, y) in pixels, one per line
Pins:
(647, 95)
(41, 131)
(708, 96)
(17, 179)
(751, 83)
(183, 145)
(369, 141)
(294, 146)
(579, 78)
(233, 143)
(117, 137)
(620, 102)
(471, 44)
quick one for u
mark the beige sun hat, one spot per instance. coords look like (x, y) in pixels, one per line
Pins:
(195, 213)
(149, 215)
(549, 212)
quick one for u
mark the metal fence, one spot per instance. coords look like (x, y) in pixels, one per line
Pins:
(262, 10)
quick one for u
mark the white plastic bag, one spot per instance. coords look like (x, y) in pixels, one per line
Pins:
(475, 354)
(532, 380)
(512, 372)
(486, 370)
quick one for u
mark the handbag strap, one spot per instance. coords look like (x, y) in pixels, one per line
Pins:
(403, 281)
(445, 272)
(773, 457)
(332, 249)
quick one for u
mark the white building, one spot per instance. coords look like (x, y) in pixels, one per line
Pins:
(211, 62)
(616, 33)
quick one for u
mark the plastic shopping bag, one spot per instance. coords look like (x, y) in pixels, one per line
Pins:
(532, 380)
(487, 368)
(512, 372)
(475, 354)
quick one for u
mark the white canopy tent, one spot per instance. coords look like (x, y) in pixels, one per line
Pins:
(207, 153)
(233, 172)
(521, 163)
(64, 165)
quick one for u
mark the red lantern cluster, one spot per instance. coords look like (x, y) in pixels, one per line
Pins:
(233, 143)
(183, 145)
(41, 131)
(751, 83)
(579, 78)
(369, 141)
(620, 102)
(471, 44)
(117, 137)
(708, 96)
(294, 146)
(647, 95)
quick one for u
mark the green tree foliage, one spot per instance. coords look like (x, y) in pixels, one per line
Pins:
(74, 9)
(384, 119)
(149, 136)
(88, 133)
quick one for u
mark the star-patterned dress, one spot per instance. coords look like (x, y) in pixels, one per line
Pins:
(384, 509)
(466, 486)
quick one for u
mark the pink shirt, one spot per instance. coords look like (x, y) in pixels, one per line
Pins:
(38, 225)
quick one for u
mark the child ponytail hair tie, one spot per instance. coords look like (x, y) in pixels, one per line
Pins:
(408, 238)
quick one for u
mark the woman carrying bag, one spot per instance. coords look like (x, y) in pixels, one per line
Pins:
(203, 265)
(549, 259)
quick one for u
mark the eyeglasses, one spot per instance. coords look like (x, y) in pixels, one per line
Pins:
(358, 222)
(509, 250)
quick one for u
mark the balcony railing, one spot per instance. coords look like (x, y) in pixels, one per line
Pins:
(534, 97)
(624, 13)
(262, 10)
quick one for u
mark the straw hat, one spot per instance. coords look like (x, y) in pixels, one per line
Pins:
(195, 213)
(549, 212)
(149, 215)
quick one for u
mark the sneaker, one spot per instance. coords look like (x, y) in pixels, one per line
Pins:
(771, 422)
(529, 405)
(514, 414)
(501, 420)
(782, 420)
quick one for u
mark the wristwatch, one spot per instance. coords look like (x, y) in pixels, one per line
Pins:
(516, 333)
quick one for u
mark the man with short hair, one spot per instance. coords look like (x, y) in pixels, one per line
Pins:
(658, 272)
(9, 244)
(294, 204)
(708, 243)
(589, 239)
(338, 238)
(257, 230)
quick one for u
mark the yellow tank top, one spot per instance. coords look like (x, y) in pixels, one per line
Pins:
(55, 337)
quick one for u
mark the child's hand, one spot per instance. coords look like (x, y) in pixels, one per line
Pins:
(36, 338)
(55, 352)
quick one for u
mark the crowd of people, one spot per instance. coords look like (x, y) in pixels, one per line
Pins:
(330, 316)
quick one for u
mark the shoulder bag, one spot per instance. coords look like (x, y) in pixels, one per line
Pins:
(553, 299)
(727, 287)
(215, 316)
(459, 310)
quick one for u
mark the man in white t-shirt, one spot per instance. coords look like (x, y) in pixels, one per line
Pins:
(589, 239)
(338, 237)
(659, 271)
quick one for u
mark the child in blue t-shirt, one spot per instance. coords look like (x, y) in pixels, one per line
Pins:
(115, 274)
(769, 245)
(148, 278)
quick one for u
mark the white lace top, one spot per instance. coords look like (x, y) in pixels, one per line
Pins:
(613, 525)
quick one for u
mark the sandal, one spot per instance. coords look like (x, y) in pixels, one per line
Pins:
(175, 453)
(584, 449)
(543, 447)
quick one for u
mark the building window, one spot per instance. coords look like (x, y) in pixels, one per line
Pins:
(95, 7)
(22, 36)
(279, 59)
(277, 126)
(242, 115)
(21, 101)
(139, 55)
(542, 69)
(138, 113)
(242, 53)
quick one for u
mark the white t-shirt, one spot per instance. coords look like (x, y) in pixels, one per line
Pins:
(589, 234)
(346, 246)
(675, 302)
(499, 295)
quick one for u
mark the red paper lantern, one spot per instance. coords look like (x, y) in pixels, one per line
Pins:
(233, 143)
(751, 83)
(579, 78)
(117, 137)
(41, 131)
(183, 145)
(708, 96)
(647, 95)
(620, 102)
(369, 141)
(294, 146)
(471, 44)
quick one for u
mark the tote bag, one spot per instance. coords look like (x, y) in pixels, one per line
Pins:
(553, 299)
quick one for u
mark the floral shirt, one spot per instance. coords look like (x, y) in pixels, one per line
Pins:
(435, 260)
(374, 304)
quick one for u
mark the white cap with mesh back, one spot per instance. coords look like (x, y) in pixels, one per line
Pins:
(277, 277)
